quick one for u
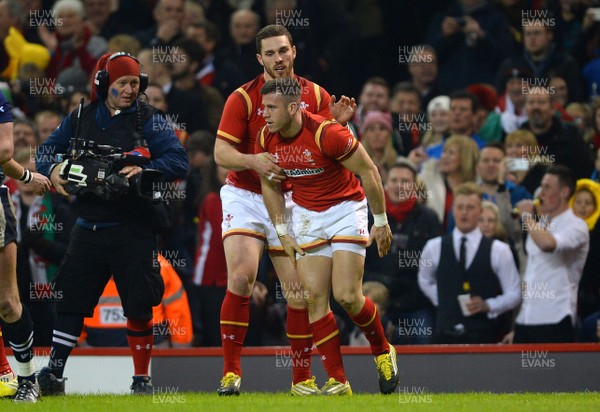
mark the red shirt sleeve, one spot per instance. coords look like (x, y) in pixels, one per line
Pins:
(323, 109)
(234, 120)
(338, 142)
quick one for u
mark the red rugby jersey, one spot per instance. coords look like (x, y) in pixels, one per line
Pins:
(312, 161)
(243, 117)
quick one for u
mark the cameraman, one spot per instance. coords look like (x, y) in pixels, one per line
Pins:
(113, 234)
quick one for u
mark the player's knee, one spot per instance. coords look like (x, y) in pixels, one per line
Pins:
(240, 283)
(346, 298)
(10, 309)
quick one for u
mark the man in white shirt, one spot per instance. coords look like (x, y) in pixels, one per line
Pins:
(464, 265)
(557, 247)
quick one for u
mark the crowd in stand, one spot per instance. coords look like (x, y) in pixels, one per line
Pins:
(499, 94)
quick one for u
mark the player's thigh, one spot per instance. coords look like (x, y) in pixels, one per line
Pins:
(347, 274)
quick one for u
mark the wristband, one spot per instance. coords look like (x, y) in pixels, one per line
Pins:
(26, 177)
(281, 229)
(380, 219)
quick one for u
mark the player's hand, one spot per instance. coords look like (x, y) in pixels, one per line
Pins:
(130, 171)
(343, 110)
(58, 182)
(508, 338)
(291, 248)
(265, 165)
(40, 184)
(477, 305)
(383, 236)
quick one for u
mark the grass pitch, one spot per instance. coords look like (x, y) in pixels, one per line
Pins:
(280, 402)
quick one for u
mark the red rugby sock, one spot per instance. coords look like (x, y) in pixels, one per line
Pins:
(141, 338)
(369, 323)
(301, 341)
(327, 339)
(235, 315)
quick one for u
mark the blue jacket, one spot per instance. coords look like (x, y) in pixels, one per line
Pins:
(168, 155)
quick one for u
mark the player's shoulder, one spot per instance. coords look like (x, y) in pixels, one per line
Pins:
(251, 89)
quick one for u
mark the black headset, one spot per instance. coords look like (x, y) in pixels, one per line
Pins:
(101, 78)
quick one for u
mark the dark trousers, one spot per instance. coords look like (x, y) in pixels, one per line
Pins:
(561, 332)
(205, 305)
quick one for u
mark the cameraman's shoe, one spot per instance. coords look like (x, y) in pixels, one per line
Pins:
(50, 385)
(27, 392)
(142, 385)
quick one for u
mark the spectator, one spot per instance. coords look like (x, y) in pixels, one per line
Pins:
(594, 140)
(73, 99)
(472, 38)
(490, 224)
(406, 108)
(375, 95)
(190, 56)
(168, 15)
(24, 135)
(471, 279)
(46, 122)
(412, 224)
(487, 121)
(456, 165)
(520, 146)
(557, 247)
(595, 176)
(193, 14)
(559, 143)
(236, 63)
(210, 269)
(586, 205)
(463, 110)
(184, 108)
(124, 43)
(377, 140)
(14, 14)
(542, 57)
(560, 88)
(491, 169)
(73, 46)
(582, 119)
(423, 70)
(511, 104)
(207, 35)
(438, 114)
(101, 21)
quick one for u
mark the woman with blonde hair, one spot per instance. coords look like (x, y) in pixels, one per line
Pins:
(525, 161)
(456, 166)
(376, 134)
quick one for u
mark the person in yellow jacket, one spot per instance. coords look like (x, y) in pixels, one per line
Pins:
(172, 319)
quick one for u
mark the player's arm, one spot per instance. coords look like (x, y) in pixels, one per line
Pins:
(361, 164)
(37, 181)
(6, 142)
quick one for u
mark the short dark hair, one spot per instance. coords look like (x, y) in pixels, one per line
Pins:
(407, 87)
(495, 145)
(465, 95)
(211, 30)
(378, 81)
(404, 163)
(289, 88)
(192, 48)
(565, 176)
(272, 30)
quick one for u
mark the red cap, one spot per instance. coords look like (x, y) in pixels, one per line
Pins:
(117, 67)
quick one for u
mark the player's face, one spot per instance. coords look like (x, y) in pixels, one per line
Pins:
(467, 211)
(277, 57)
(123, 92)
(276, 113)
